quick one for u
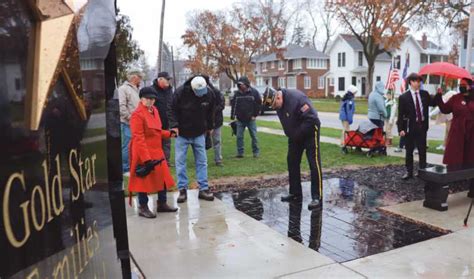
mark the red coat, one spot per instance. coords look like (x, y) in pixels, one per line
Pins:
(146, 145)
(460, 145)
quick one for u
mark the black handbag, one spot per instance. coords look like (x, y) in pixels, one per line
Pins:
(144, 170)
(208, 141)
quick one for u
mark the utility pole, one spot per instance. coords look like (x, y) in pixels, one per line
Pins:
(470, 34)
(172, 64)
(160, 51)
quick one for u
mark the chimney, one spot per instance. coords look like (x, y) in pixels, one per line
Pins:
(424, 41)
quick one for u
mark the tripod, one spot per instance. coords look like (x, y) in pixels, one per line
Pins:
(468, 213)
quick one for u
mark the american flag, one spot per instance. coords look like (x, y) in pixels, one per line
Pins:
(405, 73)
(393, 76)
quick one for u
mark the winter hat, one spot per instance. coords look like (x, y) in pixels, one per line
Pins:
(147, 92)
(244, 80)
(199, 86)
(352, 89)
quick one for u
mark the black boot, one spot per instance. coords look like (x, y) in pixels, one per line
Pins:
(183, 196)
(315, 204)
(144, 211)
(291, 197)
(206, 195)
(164, 207)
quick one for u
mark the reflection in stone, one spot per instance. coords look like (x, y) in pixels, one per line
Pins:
(349, 227)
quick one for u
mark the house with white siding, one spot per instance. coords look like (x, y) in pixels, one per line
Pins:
(348, 65)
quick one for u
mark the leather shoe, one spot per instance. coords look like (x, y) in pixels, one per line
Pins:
(164, 207)
(206, 195)
(183, 196)
(290, 198)
(407, 176)
(143, 211)
(239, 156)
(315, 204)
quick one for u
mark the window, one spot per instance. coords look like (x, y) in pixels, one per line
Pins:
(341, 84)
(316, 63)
(321, 83)
(307, 82)
(378, 78)
(273, 65)
(296, 65)
(397, 61)
(281, 82)
(292, 82)
(264, 66)
(341, 59)
(17, 84)
(435, 58)
(331, 81)
(354, 81)
(423, 58)
(281, 65)
(260, 81)
(361, 58)
(434, 80)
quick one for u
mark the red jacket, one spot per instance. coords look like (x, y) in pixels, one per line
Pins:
(460, 145)
(146, 145)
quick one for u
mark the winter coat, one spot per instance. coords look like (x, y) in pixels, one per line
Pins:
(246, 105)
(460, 145)
(192, 115)
(145, 145)
(347, 109)
(377, 109)
(128, 101)
(163, 100)
(219, 108)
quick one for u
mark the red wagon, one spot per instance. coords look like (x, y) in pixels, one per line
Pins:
(373, 140)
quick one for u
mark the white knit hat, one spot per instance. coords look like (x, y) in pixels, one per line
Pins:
(352, 89)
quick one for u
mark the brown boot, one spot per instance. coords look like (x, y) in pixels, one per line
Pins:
(164, 207)
(144, 211)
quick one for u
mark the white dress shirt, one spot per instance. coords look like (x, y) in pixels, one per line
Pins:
(413, 95)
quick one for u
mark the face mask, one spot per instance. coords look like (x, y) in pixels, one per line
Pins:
(462, 89)
(199, 94)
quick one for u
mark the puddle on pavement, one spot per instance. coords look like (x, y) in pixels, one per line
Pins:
(349, 226)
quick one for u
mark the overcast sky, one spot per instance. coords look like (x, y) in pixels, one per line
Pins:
(145, 19)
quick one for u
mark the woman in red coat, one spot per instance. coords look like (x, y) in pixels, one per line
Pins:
(460, 145)
(145, 147)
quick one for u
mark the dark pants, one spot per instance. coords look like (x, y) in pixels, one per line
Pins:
(401, 144)
(416, 138)
(143, 198)
(377, 122)
(295, 151)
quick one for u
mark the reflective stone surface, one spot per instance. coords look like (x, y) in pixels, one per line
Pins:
(348, 227)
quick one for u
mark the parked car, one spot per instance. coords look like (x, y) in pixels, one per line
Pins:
(266, 104)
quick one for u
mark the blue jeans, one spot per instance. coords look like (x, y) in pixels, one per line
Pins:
(252, 126)
(143, 198)
(126, 136)
(198, 145)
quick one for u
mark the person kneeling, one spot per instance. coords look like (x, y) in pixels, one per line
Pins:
(149, 172)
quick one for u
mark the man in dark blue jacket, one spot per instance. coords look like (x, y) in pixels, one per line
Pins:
(245, 107)
(301, 125)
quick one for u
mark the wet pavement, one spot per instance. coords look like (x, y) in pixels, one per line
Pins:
(349, 227)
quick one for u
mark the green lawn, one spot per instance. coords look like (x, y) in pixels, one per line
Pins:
(94, 132)
(332, 105)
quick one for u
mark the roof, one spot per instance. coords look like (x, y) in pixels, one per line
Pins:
(294, 52)
(431, 45)
(357, 46)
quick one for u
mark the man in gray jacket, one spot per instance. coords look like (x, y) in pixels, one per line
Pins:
(129, 99)
(377, 112)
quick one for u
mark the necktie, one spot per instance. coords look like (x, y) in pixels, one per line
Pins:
(419, 118)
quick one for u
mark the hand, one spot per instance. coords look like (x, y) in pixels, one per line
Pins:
(253, 118)
(173, 134)
(175, 131)
(210, 131)
(439, 90)
(402, 133)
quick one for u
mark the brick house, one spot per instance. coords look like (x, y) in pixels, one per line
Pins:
(302, 67)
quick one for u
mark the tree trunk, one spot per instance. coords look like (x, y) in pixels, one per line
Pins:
(370, 77)
(160, 53)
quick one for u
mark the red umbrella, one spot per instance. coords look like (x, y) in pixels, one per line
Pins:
(446, 70)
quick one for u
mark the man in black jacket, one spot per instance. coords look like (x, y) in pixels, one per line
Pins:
(218, 122)
(191, 116)
(245, 107)
(164, 92)
(301, 125)
(413, 121)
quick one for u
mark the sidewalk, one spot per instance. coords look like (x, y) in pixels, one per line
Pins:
(431, 158)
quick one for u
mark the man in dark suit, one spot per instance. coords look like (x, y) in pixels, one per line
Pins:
(413, 121)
